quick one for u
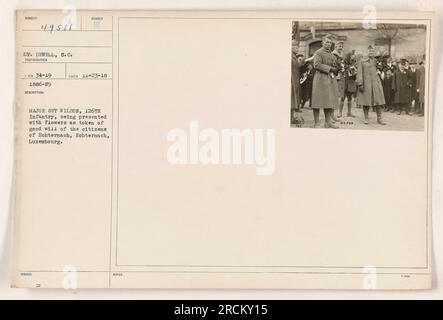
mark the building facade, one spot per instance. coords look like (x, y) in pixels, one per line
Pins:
(398, 41)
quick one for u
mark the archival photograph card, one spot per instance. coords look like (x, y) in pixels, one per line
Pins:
(263, 150)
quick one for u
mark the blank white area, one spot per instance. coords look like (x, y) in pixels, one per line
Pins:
(337, 198)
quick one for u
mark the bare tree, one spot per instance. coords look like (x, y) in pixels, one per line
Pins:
(388, 33)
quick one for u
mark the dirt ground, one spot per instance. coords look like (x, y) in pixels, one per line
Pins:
(393, 121)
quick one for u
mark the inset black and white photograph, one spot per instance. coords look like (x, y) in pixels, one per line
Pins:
(357, 76)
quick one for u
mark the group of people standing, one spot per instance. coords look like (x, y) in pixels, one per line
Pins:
(402, 84)
(331, 77)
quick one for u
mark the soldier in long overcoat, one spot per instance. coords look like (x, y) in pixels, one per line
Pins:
(324, 85)
(370, 90)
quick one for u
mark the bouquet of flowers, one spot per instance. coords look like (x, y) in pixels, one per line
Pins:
(351, 71)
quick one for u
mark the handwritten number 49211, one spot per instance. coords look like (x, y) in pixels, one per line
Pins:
(56, 27)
